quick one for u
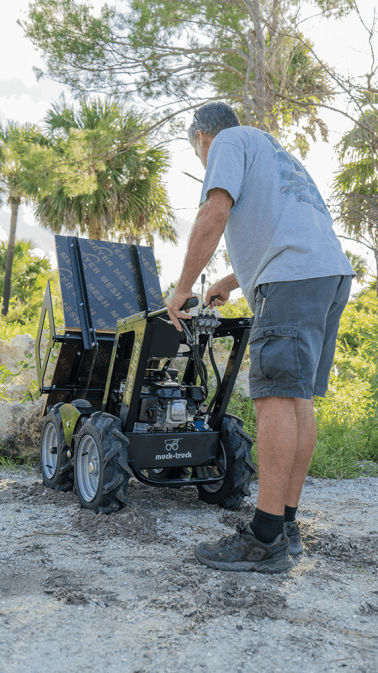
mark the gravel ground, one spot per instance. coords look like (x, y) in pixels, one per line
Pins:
(86, 592)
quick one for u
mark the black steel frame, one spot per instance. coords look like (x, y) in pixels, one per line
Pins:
(142, 327)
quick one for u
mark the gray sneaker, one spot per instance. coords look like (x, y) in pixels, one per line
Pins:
(242, 552)
(293, 533)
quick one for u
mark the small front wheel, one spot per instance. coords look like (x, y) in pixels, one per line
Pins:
(57, 471)
(102, 471)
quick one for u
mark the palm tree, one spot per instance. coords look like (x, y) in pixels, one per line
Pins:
(355, 187)
(15, 143)
(359, 265)
(97, 177)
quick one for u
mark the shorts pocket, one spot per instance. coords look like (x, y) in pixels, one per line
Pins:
(273, 353)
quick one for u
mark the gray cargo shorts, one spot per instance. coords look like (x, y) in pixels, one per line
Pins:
(293, 336)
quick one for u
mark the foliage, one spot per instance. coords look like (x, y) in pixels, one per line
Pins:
(18, 463)
(237, 308)
(7, 377)
(16, 163)
(336, 8)
(16, 141)
(249, 53)
(347, 418)
(99, 175)
(360, 266)
(244, 52)
(30, 274)
(355, 187)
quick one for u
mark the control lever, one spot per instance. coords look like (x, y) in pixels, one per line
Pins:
(215, 296)
(203, 281)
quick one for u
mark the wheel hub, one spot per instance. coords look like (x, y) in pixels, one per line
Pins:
(88, 468)
(49, 451)
(92, 467)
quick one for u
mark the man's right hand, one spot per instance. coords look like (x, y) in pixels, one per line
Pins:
(219, 292)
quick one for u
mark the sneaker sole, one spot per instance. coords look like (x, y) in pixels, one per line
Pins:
(272, 567)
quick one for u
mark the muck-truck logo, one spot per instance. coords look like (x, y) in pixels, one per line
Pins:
(172, 444)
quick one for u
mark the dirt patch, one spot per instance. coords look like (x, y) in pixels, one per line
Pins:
(130, 522)
(359, 552)
(123, 593)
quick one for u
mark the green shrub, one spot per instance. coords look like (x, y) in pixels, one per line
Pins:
(347, 418)
(30, 274)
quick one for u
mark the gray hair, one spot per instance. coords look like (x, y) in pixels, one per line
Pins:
(211, 119)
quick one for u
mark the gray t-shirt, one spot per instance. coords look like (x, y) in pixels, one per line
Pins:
(279, 228)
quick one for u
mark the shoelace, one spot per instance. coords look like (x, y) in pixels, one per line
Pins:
(230, 539)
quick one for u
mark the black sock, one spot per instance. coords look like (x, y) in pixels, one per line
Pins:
(290, 513)
(266, 526)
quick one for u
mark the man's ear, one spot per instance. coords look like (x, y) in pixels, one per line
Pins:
(199, 137)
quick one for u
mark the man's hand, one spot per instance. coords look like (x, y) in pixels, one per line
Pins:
(221, 295)
(221, 290)
(174, 304)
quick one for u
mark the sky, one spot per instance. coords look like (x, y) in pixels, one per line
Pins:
(343, 44)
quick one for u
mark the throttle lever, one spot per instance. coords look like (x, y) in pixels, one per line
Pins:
(215, 296)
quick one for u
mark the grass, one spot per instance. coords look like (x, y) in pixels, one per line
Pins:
(244, 408)
(344, 449)
(18, 463)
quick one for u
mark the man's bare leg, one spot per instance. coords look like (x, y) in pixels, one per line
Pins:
(277, 438)
(286, 436)
(304, 411)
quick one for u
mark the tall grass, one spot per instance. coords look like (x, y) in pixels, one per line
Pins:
(347, 418)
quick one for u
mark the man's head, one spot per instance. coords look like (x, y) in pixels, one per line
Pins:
(209, 120)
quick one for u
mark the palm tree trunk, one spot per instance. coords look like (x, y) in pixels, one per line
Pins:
(15, 202)
(376, 266)
(94, 229)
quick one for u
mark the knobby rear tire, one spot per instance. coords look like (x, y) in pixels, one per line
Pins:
(240, 469)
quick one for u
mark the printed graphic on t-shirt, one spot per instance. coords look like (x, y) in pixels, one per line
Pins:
(295, 178)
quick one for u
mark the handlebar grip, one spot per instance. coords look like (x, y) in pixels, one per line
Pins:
(190, 303)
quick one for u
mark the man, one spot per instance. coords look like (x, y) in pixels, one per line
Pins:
(288, 262)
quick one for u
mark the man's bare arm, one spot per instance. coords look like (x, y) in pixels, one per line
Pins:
(206, 234)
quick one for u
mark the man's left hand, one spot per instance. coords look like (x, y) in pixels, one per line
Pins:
(174, 304)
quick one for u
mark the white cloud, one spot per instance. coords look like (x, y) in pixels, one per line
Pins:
(3, 235)
(28, 217)
(38, 252)
(22, 109)
(52, 257)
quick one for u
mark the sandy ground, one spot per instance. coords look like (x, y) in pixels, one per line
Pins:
(84, 592)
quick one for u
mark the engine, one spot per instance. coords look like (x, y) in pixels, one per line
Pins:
(165, 404)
